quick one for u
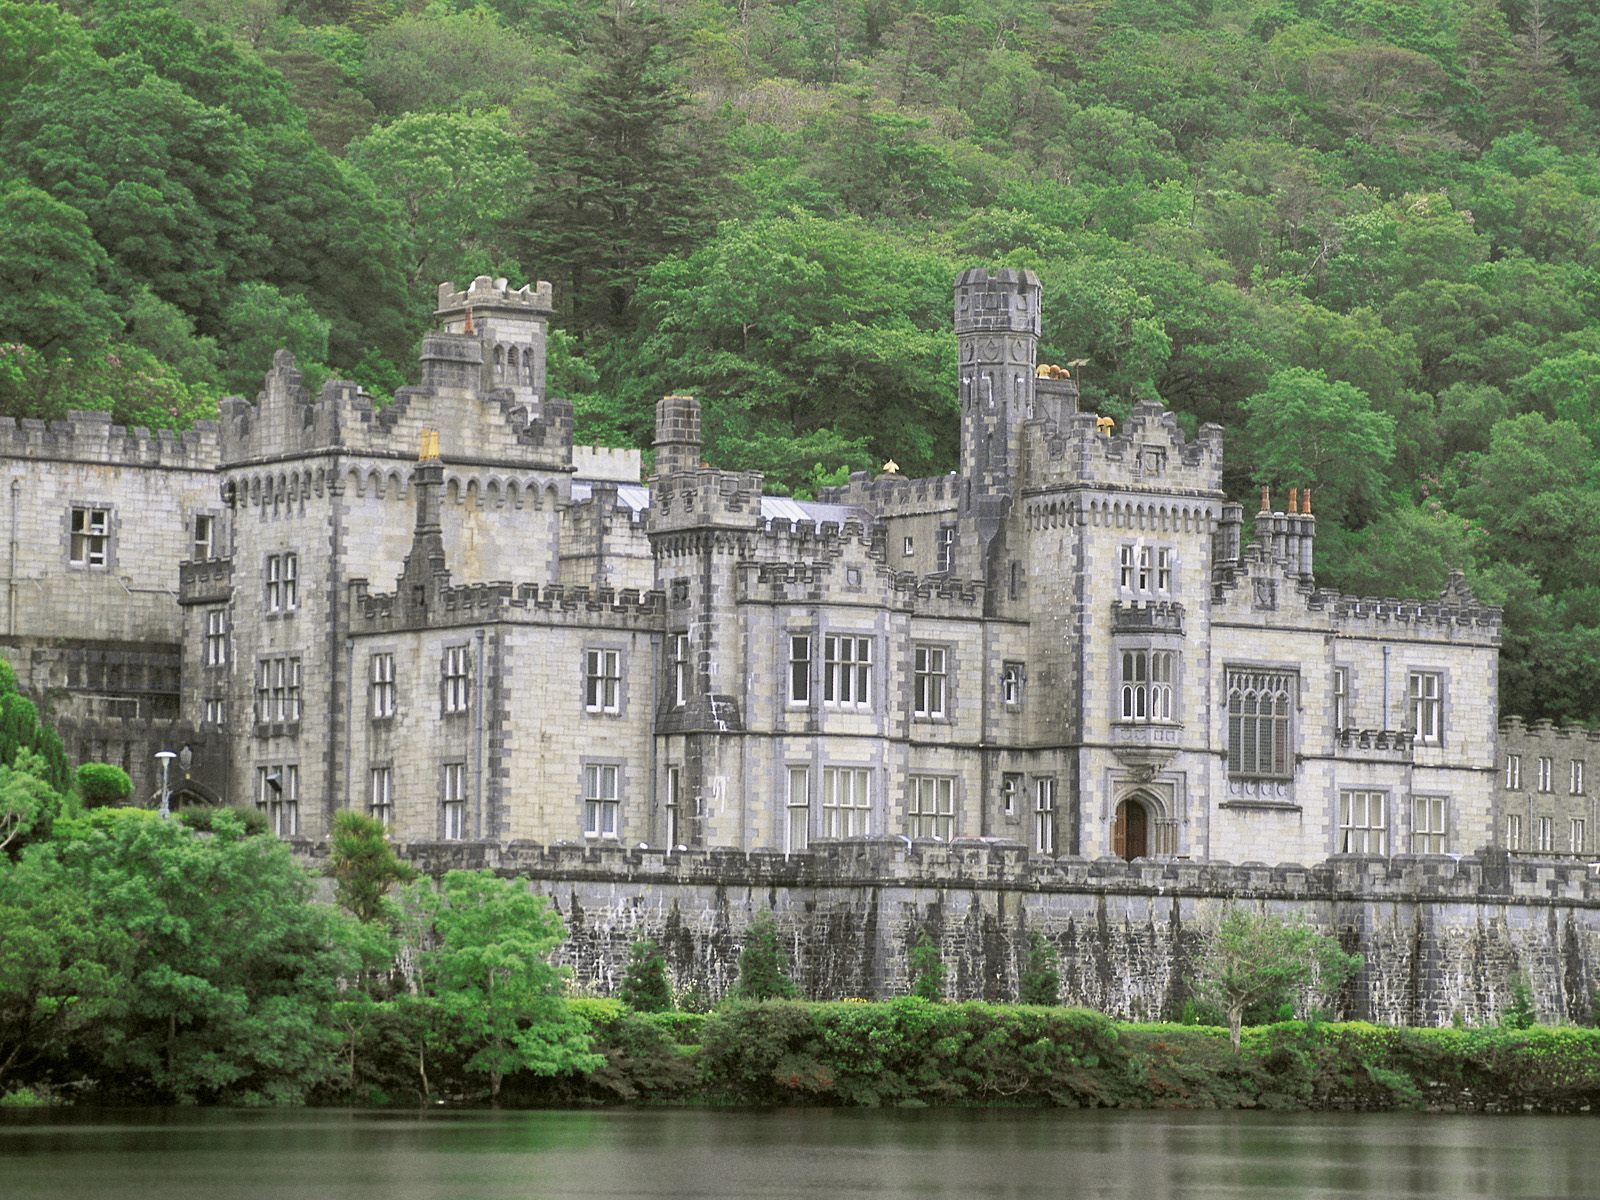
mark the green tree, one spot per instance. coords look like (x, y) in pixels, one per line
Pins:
(363, 864)
(494, 985)
(1304, 430)
(22, 731)
(1257, 963)
(28, 804)
(261, 320)
(624, 181)
(1040, 979)
(441, 61)
(163, 180)
(927, 969)
(455, 178)
(227, 971)
(1519, 1012)
(645, 987)
(58, 977)
(763, 966)
(51, 274)
(101, 784)
(807, 340)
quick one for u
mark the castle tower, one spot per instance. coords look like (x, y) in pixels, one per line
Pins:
(677, 434)
(510, 322)
(997, 329)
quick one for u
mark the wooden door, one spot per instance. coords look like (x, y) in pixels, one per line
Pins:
(1130, 831)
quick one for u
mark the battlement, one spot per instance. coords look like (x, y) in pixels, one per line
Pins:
(705, 496)
(938, 595)
(486, 293)
(1149, 452)
(983, 864)
(610, 463)
(205, 581)
(1386, 745)
(89, 436)
(1456, 611)
(527, 603)
(499, 424)
(997, 301)
(896, 495)
(1514, 730)
(1147, 616)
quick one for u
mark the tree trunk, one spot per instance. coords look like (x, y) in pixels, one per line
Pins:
(1235, 1027)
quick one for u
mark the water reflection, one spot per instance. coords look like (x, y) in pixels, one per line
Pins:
(666, 1154)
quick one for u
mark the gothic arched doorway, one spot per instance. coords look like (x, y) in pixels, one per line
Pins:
(1130, 830)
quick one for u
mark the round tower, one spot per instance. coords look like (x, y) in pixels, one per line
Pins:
(997, 330)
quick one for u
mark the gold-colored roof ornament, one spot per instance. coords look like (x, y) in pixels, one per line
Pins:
(891, 467)
(429, 451)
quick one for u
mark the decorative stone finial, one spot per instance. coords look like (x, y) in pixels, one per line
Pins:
(429, 451)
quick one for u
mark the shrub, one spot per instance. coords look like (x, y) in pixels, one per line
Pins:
(102, 784)
(1040, 982)
(763, 966)
(927, 969)
(1520, 1012)
(203, 820)
(644, 982)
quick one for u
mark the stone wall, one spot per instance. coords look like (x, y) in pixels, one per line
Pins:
(1442, 936)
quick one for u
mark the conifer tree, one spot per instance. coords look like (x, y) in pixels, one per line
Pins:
(1041, 976)
(763, 966)
(644, 984)
(625, 182)
(927, 969)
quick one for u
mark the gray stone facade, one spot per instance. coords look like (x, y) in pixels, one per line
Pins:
(1070, 645)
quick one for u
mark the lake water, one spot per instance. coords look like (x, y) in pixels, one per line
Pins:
(186, 1154)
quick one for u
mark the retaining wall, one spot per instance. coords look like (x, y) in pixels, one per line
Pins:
(1442, 937)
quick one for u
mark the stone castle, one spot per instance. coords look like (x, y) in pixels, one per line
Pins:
(1069, 643)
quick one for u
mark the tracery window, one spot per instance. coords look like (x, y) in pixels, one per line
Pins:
(1259, 708)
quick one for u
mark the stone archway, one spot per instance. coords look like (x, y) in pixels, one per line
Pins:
(1130, 828)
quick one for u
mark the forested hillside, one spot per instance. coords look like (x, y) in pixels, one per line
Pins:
(1361, 234)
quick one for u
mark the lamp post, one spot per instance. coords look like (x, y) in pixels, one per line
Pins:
(165, 757)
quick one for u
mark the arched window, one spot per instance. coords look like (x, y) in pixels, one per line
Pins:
(1258, 723)
(1147, 681)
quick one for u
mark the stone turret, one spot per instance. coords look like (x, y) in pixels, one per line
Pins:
(510, 325)
(997, 330)
(677, 435)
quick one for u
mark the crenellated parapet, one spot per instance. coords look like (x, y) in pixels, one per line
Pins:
(1148, 452)
(705, 497)
(205, 581)
(985, 863)
(495, 426)
(89, 436)
(1455, 616)
(527, 603)
(785, 538)
(898, 496)
(1147, 616)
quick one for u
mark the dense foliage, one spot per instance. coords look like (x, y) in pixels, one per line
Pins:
(188, 960)
(1259, 964)
(1360, 234)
